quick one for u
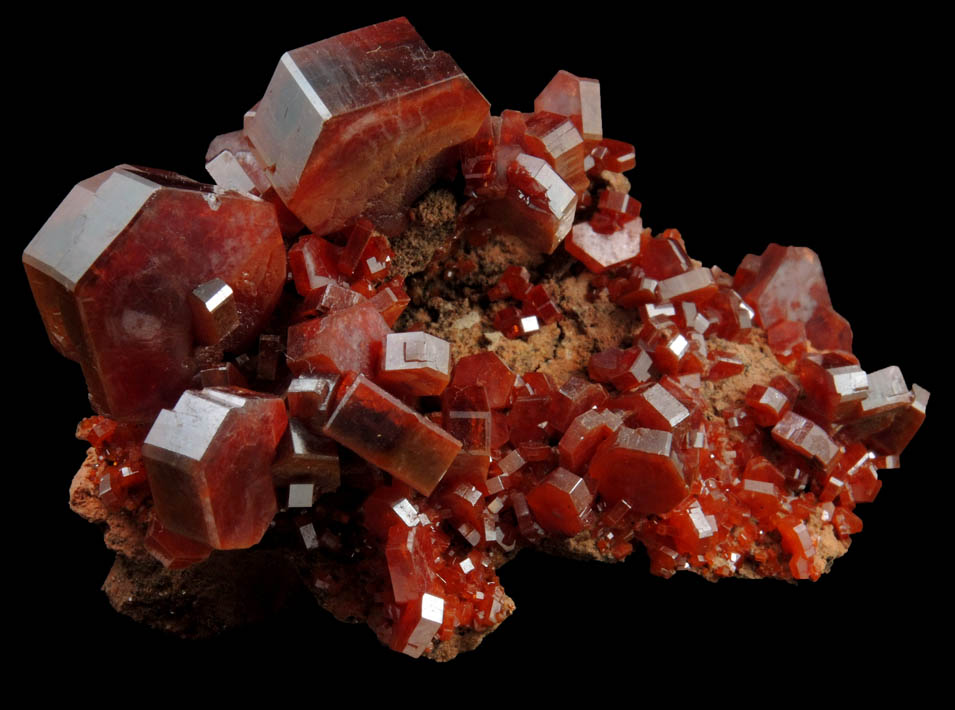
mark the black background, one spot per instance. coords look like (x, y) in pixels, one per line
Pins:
(749, 128)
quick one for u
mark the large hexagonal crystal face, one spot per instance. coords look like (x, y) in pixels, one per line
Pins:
(112, 269)
(209, 465)
(362, 122)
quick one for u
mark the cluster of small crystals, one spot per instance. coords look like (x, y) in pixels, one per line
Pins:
(759, 484)
(529, 174)
(296, 408)
(536, 305)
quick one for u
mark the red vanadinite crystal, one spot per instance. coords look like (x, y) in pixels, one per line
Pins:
(172, 550)
(640, 466)
(489, 372)
(206, 486)
(560, 501)
(114, 298)
(348, 339)
(412, 104)
(415, 363)
(231, 161)
(392, 436)
(245, 386)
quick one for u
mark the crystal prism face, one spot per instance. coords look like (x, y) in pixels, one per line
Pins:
(578, 98)
(209, 465)
(172, 550)
(415, 363)
(214, 315)
(349, 339)
(232, 164)
(361, 122)
(309, 399)
(788, 285)
(113, 267)
(307, 463)
(640, 466)
(392, 436)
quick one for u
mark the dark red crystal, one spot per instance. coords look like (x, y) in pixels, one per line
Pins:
(371, 103)
(114, 297)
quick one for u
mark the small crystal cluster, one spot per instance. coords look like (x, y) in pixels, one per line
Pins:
(251, 380)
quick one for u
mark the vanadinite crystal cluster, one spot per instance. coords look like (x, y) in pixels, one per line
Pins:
(399, 338)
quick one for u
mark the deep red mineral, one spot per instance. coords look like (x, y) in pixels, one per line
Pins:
(208, 462)
(362, 122)
(397, 412)
(112, 268)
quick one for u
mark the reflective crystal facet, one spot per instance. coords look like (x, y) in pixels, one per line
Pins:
(213, 311)
(304, 457)
(112, 270)
(208, 461)
(599, 252)
(415, 363)
(349, 339)
(387, 433)
(576, 97)
(232, 164)
(361, 122)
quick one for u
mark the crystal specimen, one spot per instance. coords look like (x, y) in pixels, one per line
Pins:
(415, 363)
(361, 122)
(349, 339)
(208, 462)
(214, 315)
(232, 164)
(647, 408)
(113, 266)
(392, 436)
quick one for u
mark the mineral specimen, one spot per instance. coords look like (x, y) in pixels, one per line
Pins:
(208, 463)
(361, 122)
(112, 268)
(726, 426)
